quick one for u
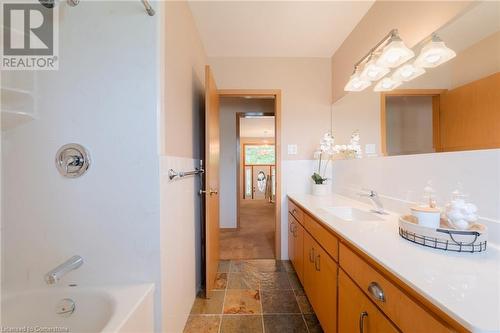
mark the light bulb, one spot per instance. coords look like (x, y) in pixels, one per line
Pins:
(434, 53)
(373, 72)
(387, 84)
(395, 54)
(357, 83)
(407, 72)
(433, 58)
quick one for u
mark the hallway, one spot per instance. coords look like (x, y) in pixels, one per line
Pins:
(255, 237)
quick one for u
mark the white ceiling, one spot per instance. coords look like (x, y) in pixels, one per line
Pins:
(276, 28)
(257, 127)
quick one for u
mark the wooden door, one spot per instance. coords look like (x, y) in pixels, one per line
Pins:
(298, 235)
(211, 179)
(259, 179)
(325, 296)
(357, 313)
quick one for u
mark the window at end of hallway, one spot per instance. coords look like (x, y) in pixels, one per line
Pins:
(259, 155)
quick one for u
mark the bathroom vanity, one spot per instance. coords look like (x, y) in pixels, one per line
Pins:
(360, 276)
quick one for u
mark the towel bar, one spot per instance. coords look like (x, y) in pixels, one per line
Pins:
(180, 174)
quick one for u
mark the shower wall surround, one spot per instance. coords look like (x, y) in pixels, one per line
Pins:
(105, 99)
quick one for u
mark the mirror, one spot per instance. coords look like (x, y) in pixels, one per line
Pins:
(451, 107)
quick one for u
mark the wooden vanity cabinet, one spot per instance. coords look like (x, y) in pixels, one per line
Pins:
(351, 293)
(291, 238)
(296, 246)
(296, 212)
(315, 267)
(357, 313)
(405, 312)
(309, 283)
(298, 263)
(320, 283)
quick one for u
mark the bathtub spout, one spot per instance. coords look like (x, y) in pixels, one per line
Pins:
(57, 273)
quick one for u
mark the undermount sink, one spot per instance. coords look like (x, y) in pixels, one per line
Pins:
(352, 214)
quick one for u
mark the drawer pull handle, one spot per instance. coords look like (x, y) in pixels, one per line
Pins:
(317, 263)
(290, 227)
(311, 254)
(294, 231)
(362, 317)
(376, 291)
(294, 211)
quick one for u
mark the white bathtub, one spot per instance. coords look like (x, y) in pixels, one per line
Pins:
(127, 308)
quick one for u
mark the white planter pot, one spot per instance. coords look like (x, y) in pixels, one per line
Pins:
(321, 189)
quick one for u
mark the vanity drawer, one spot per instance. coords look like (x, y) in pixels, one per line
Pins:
(296, 211)
(357, 313)
(396, 304)
(328, 241)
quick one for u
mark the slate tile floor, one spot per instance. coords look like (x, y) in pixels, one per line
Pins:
(254, 296)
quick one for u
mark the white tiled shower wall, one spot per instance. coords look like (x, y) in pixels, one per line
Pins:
(104, 99)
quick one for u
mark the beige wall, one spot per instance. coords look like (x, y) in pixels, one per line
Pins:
(183, 62)
(184, 85)
(360, 111)
(478, 61)
(415, 20)
(306, 94)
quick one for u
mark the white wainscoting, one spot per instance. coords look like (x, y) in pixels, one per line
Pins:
(400, 179)
(180, 242)
(296, 178)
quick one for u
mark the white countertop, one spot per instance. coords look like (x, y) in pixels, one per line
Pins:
(464, 285)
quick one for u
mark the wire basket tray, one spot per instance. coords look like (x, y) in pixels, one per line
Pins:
(441, 244)
(444, 238)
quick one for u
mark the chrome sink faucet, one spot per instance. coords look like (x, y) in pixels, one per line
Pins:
(378, 207)
(53, 276)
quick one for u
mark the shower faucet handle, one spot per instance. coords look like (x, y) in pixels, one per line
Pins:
(72, 160)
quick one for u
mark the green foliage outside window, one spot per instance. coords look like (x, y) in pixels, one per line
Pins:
(259, 154)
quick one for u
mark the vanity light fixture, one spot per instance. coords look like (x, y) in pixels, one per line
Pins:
(387, 53)
(387, 84)
(357, 82)
(395, 53)
(391, 52)
(372, 71)
(434, 53)
(407, 72)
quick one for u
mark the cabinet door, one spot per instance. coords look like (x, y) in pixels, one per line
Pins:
(357, 313)
(308, 266)
(298, 234)
(325, 292)
(291, 239)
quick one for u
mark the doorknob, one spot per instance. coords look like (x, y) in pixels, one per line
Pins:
(210, 192)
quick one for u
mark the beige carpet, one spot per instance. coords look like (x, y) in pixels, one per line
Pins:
(254, 239)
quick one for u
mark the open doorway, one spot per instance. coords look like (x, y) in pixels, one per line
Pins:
(248, 180)
(410, 121)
